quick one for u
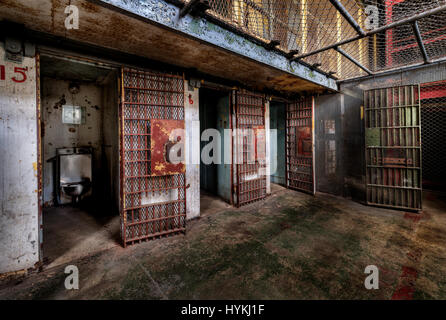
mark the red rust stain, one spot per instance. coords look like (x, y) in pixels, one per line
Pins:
(161, 135)
(13, 4)
(412, 216)
(90, 7)
(406, 287)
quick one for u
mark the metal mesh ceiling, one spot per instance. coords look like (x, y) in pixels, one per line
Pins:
(306, 26)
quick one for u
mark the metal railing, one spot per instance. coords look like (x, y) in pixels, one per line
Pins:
(346, 38)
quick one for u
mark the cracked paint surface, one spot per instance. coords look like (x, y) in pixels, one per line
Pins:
(167, 15)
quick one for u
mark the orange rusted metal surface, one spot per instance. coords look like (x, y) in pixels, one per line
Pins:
(167, 136)
(153, 203)
(299, 145)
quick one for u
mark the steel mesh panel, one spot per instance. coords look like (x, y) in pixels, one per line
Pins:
(307, 26)
(299, 158)
(251, 178)
(146, 96)
(433, 133)
(393, 147)
(336, 64)
(433, 31)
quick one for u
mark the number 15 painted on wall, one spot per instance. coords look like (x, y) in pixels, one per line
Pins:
(19, 77)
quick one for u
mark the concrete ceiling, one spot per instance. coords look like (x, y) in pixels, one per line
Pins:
(111, 29)
(70, 70)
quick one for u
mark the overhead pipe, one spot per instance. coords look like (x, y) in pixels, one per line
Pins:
(416, 31)
(347, 16)
(356, 62)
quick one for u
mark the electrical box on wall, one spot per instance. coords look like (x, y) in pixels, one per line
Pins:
(73, 114)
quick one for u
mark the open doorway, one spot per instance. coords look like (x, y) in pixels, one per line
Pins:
(433, 131)
(277, 113)
(215, 178)
(80, 158)
(292, 144)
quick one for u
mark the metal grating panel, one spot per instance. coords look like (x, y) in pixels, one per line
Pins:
(299, 145)
(393, 147)
(310, 29)
(151, 206)
(249, 118)
(433, 124)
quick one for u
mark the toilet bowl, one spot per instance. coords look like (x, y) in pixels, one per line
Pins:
(74, 172)
(76, 189)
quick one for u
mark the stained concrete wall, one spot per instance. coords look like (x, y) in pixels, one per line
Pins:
(345, 110)
(192, 146)
(19, 226)
(110, 161)
(57, 134)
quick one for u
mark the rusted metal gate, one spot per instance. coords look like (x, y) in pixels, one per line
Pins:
(153, 190)
(299, 145)
(393, 147)
(249, 111)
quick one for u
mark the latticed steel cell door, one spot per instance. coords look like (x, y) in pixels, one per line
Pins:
(153, 186)
(250, 147)
(393, 147)
(299, 145)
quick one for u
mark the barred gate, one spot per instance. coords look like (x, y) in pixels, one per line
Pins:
(153, 201)
(299, 145)
(393, 147)
(249, 110)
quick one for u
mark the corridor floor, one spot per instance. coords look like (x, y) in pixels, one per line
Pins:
(289, 246)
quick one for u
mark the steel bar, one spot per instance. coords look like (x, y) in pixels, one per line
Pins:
(394, 70)
(194, 5)
(249, 115)
(149, 98)
(353, 60)
(377, 30)
(416, 31)
(347, 16)
(299, 161)
(392, 147)
(289, 55)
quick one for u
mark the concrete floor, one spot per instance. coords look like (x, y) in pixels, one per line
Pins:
(289, 246)
(70, 233)
(210, 204)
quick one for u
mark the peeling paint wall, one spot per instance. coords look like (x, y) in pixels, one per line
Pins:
(167, 15)
(57, 134)
(192, 126)
(19, 242)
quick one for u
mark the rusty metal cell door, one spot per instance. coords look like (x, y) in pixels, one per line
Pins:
(393, 147)
(250, 147)
(153, 182)
(299, 145)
